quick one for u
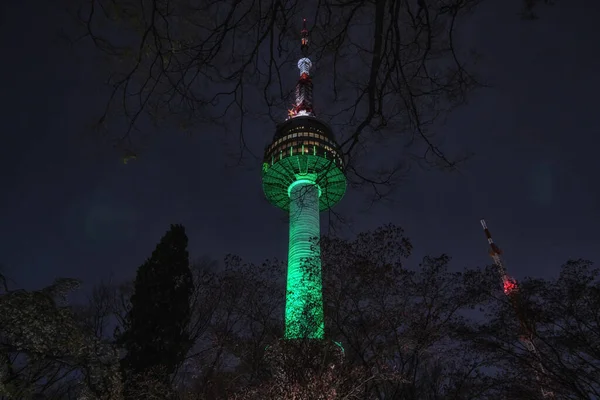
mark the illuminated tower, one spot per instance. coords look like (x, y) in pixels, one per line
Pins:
(302, 174)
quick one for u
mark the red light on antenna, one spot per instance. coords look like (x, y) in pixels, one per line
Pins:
(304, 33)
(509, 285)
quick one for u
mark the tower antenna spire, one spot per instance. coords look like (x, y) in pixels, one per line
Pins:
(511, 290)
(304, 40)
(508, 283)
(303, 102)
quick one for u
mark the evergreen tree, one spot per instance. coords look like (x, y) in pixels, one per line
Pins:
(156, 335)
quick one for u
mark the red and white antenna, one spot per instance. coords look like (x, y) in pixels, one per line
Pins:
(303, 104)
(511, 290)
(508, 283)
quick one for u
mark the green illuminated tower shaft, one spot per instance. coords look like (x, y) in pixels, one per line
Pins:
(304, 300)
(302, 174)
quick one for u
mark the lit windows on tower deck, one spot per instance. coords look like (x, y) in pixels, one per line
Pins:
(307, 136)
(303, 148)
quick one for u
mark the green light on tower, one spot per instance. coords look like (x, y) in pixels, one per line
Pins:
(307, 179)
(304, 302)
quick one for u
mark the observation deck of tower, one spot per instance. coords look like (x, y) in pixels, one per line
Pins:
(302, 175)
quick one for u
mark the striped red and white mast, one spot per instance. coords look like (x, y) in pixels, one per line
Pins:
(511, 290)
(303, 104)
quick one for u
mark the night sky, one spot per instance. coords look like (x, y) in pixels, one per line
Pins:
(69, 206)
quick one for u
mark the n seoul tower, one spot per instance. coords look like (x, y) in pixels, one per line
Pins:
(302, 175)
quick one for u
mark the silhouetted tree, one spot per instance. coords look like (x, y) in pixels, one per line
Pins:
(45, 353)
(156, 335)
(109, 304)
(247, 317)
(391, 316)
(313, 370)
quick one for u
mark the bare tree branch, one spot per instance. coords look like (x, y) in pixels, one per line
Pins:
(388, 69)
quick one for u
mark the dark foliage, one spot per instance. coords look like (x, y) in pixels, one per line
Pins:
(407, 333)
(156, 334)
